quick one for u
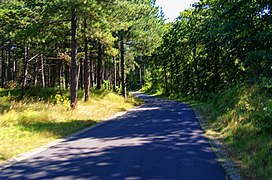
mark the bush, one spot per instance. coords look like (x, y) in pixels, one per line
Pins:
(242, 114)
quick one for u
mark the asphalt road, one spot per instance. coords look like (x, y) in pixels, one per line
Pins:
(160, 140)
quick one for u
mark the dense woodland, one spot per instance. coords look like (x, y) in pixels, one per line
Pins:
(81, 44)
(213, 45)
(75, 44)
(218, 52)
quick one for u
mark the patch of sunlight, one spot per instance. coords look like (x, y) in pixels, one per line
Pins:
(145, 109)
(28, 125)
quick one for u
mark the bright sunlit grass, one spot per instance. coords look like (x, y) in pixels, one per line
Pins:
(30, 124)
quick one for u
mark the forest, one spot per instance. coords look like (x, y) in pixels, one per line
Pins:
(75, 44)
(216, 56)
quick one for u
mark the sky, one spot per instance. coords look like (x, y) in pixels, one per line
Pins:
(172, 8)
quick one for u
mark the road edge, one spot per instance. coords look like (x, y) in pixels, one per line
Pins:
(218, 149)
(40, 149)
(221, 154)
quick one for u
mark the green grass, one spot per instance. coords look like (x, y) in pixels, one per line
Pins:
(241, 118)
(44, 115)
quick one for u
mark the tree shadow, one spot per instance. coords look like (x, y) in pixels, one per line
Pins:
(59, 129)
(159, 140)
(4, 108)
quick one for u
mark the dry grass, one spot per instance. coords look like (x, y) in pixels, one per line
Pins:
(24, 126)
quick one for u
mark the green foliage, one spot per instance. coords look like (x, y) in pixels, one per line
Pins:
(43, 28)
(106, 84)
(59, 99)
(217, 56)
(241, 115)
(213, 44)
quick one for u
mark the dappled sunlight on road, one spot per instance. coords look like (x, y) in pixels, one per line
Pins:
(145, 109)
(159, 140)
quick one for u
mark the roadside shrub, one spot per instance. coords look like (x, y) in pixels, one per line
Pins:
(242, 114)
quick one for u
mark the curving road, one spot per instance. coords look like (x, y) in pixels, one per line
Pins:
(160, 140)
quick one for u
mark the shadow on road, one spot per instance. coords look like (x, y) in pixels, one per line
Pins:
(160, 140)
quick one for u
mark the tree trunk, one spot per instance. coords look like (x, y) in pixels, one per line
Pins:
(35, 69)
(165, 78)
(171, 74)
(140, 76)
(9, 64)
(48, 77)
(3, 78)
(54, 73)
(73, 60)
(25, 71)
(99, 66)
(122, 57)
(86, 66)
(42, 71)
(114, 75)
(67, 76)
(92, 73)
(14, 67)
(78, 76)
(81, 74)
(105, 70)
(119, 75)
(91, 70)
(110, 75)
(60, 70)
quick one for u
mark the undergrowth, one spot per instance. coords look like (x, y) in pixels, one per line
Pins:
(241, 117)
(44, 115)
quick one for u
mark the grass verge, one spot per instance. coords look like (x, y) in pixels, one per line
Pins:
(44, 116)
(240, 117)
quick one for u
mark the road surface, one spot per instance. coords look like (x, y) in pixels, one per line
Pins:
(160, 140)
